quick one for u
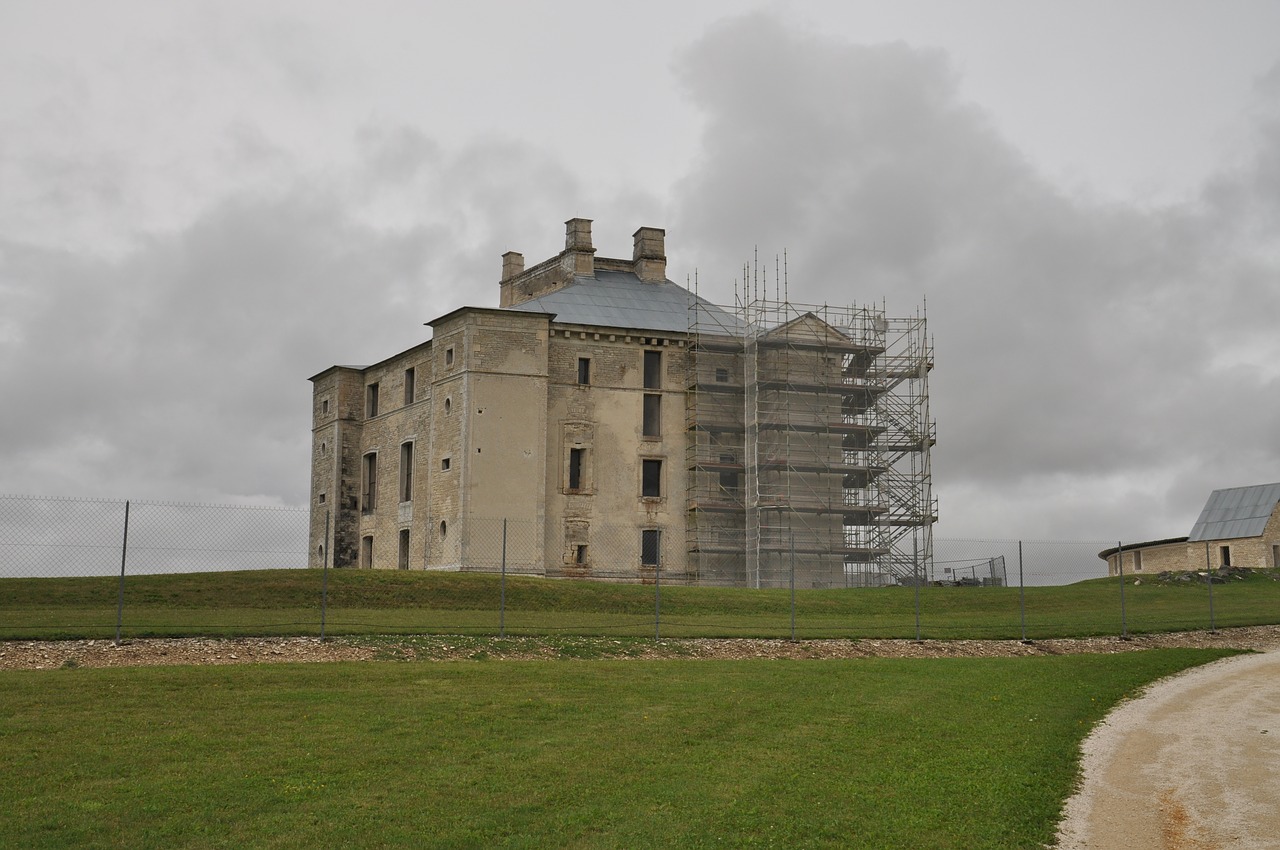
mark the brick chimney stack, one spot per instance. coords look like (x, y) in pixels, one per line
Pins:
(649, 254)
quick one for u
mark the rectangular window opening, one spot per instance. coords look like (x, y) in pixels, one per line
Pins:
(366, 552)
(408, 385)
(651, 478)
(444, 464)
(403, 560)
(575, 469)
(650, 546)
(369, 492)
(722, 376)
(1137, 562)
(580, 554)
(652, 370)
(728, 477)
(653, 416)
(406, 472)
(1226, 555)
(371, 401)
(448, 356)
(584, 370)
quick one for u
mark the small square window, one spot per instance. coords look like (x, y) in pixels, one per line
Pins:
(584, 370)
(320, 498)
(444, 464)
(722, 376)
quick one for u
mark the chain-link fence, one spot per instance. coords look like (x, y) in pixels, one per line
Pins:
(112, 569)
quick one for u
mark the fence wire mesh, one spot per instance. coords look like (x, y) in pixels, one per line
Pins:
(88, 568)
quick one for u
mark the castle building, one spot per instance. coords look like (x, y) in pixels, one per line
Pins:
(605, 422)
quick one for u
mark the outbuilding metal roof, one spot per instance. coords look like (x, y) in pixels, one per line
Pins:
(622, 300)
(1236, 512)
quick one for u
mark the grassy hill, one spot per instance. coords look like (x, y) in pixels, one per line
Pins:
(289, 602)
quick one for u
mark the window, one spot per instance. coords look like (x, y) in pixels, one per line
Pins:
(722, 376)
(1137, 562)
(580, 553)
(406, 472)
(653, 370)
(403, 561)
(575, 469)
(321, 498)
(444, 529)
(371, 401)
(366, 552)
(448, 406)
(652, 415)
(584, 370)
(448, 356)
(728, 477)
(1226, 555)
(408, 385)
(651, 479)
(444, 464)
(324, 407)
(650, 545)
(369, 492)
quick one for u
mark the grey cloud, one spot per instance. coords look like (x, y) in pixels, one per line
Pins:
(1075, 340)
(178, 371)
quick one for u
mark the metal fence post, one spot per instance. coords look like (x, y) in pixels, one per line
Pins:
(1124, 625)
(1022, 597)
(124, 554)
(1208, 576)
(324, 581)
(502, 600)
(915, 564)
(657, 592)
(793, 586)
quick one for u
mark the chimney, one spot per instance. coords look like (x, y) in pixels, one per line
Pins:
(577, 247)
(649, 256)
(512, 264)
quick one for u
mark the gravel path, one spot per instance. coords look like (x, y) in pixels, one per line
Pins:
(1193, 764)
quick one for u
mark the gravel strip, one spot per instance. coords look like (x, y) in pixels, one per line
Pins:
(46, 655)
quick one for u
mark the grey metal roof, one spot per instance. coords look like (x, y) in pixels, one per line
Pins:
(622, 300)
(1236, 512)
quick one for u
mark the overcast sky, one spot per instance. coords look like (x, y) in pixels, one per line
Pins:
(203, 204)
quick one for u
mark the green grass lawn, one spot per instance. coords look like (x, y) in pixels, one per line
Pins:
(875, 753)
(379, 602)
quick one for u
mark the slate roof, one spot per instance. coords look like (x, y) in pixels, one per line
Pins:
(622, 300)
(1236, 512)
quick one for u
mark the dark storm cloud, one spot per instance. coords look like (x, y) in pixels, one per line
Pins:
(1100, 348)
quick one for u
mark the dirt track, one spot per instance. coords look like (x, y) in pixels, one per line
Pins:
(1193, 764)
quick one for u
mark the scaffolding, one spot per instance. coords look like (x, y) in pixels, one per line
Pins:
(808, 445)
